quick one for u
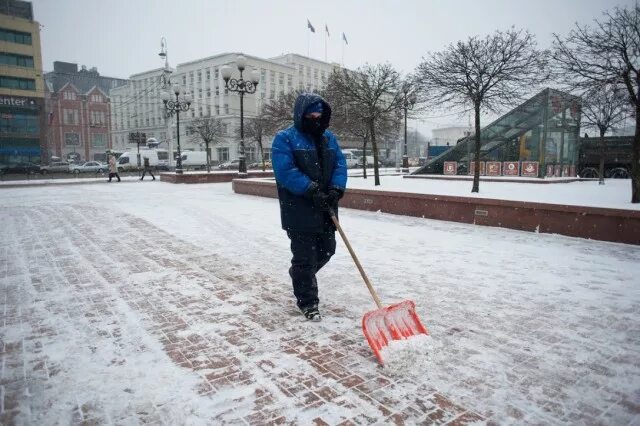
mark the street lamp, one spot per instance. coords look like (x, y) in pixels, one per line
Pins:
(241, 86)
(407, 103)
(174, 107)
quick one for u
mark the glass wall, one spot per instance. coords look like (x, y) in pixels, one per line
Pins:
(544, 129)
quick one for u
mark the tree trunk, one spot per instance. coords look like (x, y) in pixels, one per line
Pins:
(374, 148)
(208, 157)
(476, 159)
(601, 169)
(364, 158)
(635, 159)
(259, 140)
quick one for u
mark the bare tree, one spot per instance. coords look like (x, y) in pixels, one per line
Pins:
(208, 130)
(256, 129)
(483, 73)
(375, 94)
(278, 113)
(603, 108)
(607, 53)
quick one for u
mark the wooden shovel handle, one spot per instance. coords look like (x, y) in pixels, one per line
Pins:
(355, 258)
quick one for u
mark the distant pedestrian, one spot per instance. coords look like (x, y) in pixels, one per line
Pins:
(147, 169)
(113, 168)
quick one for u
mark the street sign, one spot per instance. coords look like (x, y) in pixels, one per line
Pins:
(139, 138)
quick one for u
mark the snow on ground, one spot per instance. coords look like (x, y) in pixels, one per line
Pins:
(526, 328)
(616, 193)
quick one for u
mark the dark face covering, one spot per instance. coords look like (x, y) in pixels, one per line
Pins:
(314, 126)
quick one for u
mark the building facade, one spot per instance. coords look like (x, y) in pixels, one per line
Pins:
(449, 136)
(22, 115)
(138, 107)
(78, 112)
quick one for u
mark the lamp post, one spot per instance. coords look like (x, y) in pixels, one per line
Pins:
(174, 107)
(241, 86)
(408, 102)
(165, 80)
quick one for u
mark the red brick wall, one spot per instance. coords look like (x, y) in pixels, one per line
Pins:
(614, 225)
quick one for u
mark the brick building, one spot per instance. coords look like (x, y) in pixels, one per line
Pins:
(79, 112)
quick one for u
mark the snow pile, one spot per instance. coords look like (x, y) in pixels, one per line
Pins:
(412, 355)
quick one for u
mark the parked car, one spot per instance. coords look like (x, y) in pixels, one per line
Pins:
(258, 165)
(369, 161)
(25, 167)
(230, 165)
(55, 167)
(89, 166)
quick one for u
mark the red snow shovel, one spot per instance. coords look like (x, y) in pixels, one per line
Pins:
(395, 322)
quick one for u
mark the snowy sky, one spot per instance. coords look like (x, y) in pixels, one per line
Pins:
(122, 37)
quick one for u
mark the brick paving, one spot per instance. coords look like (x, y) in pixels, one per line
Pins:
(69, 289)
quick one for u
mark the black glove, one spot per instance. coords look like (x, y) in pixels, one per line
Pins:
(321, 200)
(334, 195)
(318, 197)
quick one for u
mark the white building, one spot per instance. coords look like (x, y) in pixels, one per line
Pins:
(138, 107)
(449, 136)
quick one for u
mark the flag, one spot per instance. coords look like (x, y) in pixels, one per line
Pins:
(327, 29)
(344, 37)
(313, 30)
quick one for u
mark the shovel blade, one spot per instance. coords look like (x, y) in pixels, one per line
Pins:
(395, 322)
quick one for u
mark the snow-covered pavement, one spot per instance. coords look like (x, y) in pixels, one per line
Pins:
(151, 302)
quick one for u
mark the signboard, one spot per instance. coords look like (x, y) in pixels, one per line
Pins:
(530, 168)
(511, 168)
(139, 138)
(450, 167)
(472, 168)
(549, 170)
(557, 170)
(18, 101)
(494, 168)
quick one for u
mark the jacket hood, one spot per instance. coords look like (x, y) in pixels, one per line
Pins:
(302, 102)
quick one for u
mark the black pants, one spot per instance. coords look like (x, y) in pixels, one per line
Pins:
(111, 175)
(311, 251)
(150, 172)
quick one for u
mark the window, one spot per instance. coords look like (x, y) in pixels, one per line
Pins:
(15, 36)
(199, 76)
(70, 116)
(69, 95)
(200, 93)
(17, 83)
(19, 123)
(226, 108)
(215, 73)
(71, 139)
(251, 153)
(267, 154)
(208, 75)
(184, 80)
(217, 91)
(96, 98)
(217, 109)
(16, 60)
(281, 79)
(191, 78)
(99, 140)
(208, 93)
(223, 154)
(315, 74)
(97, 118)
(300, 69)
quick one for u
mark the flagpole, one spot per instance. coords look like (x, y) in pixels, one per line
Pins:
(308, 43)
(326, 32)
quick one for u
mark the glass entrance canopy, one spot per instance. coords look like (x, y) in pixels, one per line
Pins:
(545, 129)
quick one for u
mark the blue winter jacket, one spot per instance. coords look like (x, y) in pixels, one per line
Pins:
(296, 167)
